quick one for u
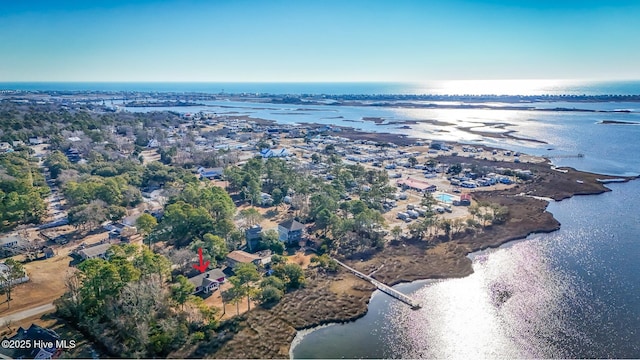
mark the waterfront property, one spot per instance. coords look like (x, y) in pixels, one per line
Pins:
(415, 305)
(208, 281)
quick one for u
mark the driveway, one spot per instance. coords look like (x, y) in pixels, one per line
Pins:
(27, 313)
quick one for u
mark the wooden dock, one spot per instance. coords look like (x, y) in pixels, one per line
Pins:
(415, 305)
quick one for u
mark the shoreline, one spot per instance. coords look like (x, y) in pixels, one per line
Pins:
(413, 260)
(497, 244)
(342, 298)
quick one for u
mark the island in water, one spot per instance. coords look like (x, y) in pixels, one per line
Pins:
(298, 223)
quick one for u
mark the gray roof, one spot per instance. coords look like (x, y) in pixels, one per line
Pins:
(94, 251)
(34, 332)
(292, 225)
(212, 274)
(217, 170)
(253, 232)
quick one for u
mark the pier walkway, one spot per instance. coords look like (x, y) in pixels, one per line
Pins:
(382, 287)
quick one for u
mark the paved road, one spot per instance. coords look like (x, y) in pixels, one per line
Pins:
(27, 313)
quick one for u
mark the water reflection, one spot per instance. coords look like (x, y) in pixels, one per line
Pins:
(569, 294)
(511, 307)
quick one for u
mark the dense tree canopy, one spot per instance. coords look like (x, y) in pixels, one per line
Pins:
(125, 305)
(22, 189)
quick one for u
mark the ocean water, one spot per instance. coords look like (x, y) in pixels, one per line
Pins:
(573, 293)
(460, 87)
(609, 149)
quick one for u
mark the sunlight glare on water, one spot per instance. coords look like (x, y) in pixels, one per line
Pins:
(493, 87)
(511, 307)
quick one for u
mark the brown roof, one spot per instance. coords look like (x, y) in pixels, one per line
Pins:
(242, 256)
(414, 183)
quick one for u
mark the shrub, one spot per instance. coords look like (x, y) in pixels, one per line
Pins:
(271, 294)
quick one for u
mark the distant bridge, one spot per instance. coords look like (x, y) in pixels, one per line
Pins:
(563, 156)
(415, 305)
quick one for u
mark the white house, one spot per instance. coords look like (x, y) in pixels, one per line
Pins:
(210, 173)
(36, 140)
(4, 270)
(5, 147)
(279, 153)
(266, 199)
(9, 241)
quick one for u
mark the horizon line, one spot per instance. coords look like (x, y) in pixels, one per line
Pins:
(320, 81)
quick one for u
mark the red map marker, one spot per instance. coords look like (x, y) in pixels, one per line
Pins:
(203, 265)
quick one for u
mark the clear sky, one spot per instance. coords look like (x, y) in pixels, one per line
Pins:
(318, 40)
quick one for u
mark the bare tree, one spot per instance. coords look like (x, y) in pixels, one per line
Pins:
(13, 272)
(182, 258)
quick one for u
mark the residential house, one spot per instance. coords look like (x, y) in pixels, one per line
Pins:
(210, 173)
(208, 281)
(95, 251)
(237, 257)
(73, 155)
(40, 338)
(4, 269)
(123, 230)
(269, 153)
(48, 253)
(296, 133)
(37, 140)
(252, 235)
(266, 199)
(5, 147)
(265, 257)
(290, 231)
(437, 146)
(10, 241)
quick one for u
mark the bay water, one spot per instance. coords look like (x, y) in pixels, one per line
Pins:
(573, 293)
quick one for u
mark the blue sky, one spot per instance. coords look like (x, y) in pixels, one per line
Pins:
(277, 40)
